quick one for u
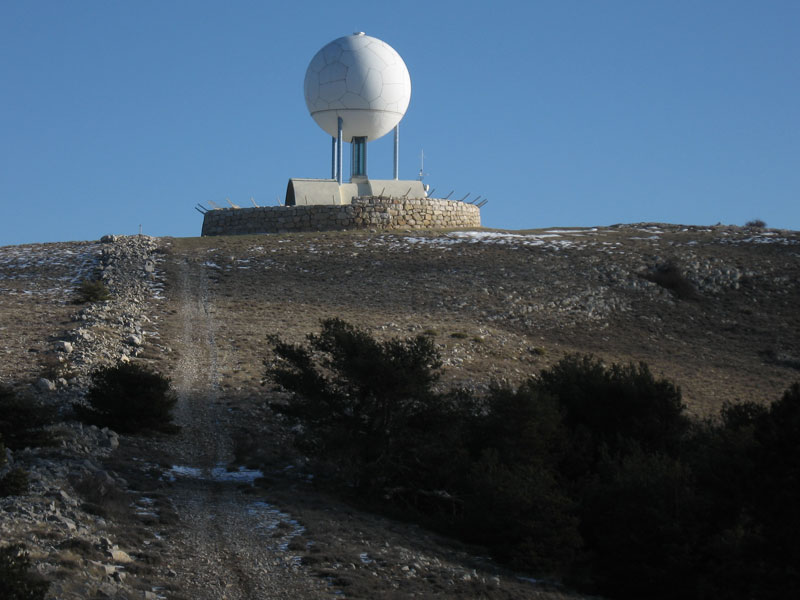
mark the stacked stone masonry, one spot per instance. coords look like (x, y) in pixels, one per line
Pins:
(363, 213)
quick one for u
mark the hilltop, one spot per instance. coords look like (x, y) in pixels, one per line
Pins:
(504, 304)
(713, 309)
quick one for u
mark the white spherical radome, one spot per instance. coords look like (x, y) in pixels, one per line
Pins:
(361, 79)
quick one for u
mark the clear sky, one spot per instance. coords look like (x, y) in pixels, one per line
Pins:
(563, 113)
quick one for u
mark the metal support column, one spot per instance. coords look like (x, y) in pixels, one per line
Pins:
(358, 161)
(397, 151)
(333, 158)
(339, 153)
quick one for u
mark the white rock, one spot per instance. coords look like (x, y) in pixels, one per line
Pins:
(121, 556)
(45, 385)
(63, 346)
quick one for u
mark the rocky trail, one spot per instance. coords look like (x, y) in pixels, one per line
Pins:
(229, 545)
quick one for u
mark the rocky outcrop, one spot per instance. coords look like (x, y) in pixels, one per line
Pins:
(59, 519)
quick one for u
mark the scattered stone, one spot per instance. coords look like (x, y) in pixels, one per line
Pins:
(63, 346)
(45, 385)
(121, 556)
(69, 524)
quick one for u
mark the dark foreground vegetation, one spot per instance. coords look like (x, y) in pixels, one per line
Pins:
(17, 581)
(589, 474)
(22, 424)
(129, 398)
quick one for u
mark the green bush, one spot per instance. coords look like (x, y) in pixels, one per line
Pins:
(485, 470)
(92, 290)
(129, 398)
(16, 580)
(367, 406)
(635, 516)
(775, 493)
(22, 420)
(616, 405)
(516, 500)
(588, 472)
(757, 223)
(15, 483)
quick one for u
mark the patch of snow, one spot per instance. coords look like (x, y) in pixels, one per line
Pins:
(189, 472)
(57, 267)
(241, 475)
(219, 473)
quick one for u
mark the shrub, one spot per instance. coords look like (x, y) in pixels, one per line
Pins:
(636, 519)
(775, 492)
(589, 471)
(92, 290)
(15, 483)
(129, 398)
(22, 420)
(366, 405)
(483, 469)
(756, 223)
(16, 580)
(616, 405)
(670, 276)
(516, 501)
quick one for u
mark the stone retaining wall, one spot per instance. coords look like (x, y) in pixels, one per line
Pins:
(363, 213)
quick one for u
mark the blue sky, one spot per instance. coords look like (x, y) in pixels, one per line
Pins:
(569, 113)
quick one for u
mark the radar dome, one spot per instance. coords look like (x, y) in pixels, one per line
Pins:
(361, 79)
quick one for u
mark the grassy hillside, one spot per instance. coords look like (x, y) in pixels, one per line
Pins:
(712, 309)
(504, 305)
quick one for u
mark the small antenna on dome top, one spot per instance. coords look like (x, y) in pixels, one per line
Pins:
(422, 172)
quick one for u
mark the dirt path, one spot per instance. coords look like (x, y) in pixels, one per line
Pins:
(230, 544)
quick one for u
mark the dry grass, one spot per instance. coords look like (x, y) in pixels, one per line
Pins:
(466, 295)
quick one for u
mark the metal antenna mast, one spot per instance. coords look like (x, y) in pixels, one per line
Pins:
(422, 172)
